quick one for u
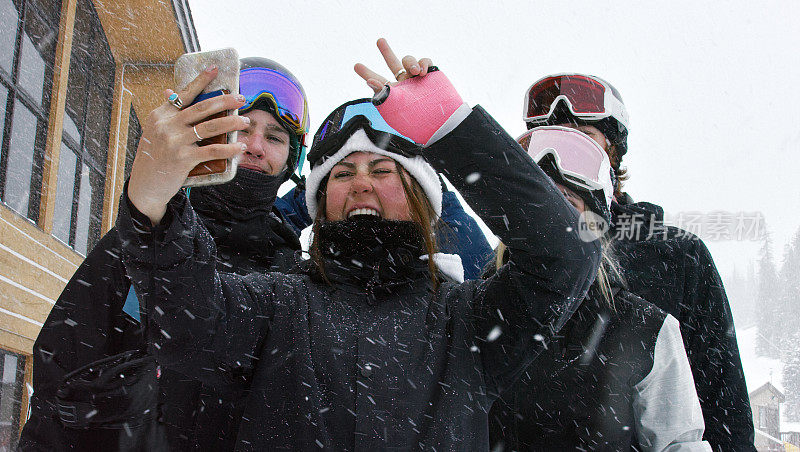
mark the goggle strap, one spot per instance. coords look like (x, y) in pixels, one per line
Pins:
(267, 96)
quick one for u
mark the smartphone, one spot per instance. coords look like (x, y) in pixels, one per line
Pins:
(187, 68)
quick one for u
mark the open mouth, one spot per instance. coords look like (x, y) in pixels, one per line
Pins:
(363, 211)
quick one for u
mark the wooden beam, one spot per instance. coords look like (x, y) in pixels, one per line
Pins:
(117, 148)
(143, 31)
(20, 327)
(26, 396)
(56, 119)
(31, 301)
(25, 239)
(16, 343)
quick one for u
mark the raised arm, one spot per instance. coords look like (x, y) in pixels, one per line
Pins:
(199, 321)
(516, 312)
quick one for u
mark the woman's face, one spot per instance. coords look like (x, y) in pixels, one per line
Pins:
(593, 132)
(366, 183)
(577, 202)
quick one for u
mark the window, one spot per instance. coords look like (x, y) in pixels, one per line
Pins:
(12, 370)
(87, 120)
(28, 40)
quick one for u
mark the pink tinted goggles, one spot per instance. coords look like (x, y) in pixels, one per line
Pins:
(578, 158)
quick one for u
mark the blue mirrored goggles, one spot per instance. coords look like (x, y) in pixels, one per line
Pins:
(287, 98)
(356, 115)
(339, 118)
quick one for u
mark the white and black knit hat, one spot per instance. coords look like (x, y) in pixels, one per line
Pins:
(419, 169)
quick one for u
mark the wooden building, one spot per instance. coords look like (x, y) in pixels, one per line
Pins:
(765, 403)
(76, 77)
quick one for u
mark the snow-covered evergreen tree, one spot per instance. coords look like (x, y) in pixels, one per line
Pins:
(742, 290)
(789, 295)
(768, 309)
(789, 327)
(791, 381)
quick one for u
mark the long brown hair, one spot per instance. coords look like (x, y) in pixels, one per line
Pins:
(620, 172)
(422, 214)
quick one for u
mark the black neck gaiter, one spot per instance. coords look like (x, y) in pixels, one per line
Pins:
(249, 194)
(371, 250)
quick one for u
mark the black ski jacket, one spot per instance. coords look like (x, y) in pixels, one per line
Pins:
(380, 366)
(613, 380)
(673, 269)
(88, 323)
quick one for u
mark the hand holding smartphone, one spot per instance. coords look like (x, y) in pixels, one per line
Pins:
(187, 68)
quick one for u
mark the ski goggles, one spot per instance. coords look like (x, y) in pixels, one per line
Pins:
(350, 117)
(587, 97)
(262, 84)
(580, 161)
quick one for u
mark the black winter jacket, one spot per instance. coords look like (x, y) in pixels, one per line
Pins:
(344, 367)
(612, 379)
(673, 269)
(87, 324)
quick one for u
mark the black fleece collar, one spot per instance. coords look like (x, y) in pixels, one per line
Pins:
(372, 254)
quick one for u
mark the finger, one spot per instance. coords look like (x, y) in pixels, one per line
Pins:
(219, 126)
(196, 86)
(410, 64)
(375, 85)
(202, 110)
(218, 151)
(424, 64)
(388, 55)
(369, 75)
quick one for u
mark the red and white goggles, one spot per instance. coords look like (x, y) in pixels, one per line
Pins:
(587, 97)
(580, 161)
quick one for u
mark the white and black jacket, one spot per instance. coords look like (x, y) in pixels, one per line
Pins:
(613, 379)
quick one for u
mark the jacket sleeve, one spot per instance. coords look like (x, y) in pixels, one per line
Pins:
(667, 412)
(714, 355)
(293, 207)
(515, 313)
(464, 237)
(199, 321)
(86, 324)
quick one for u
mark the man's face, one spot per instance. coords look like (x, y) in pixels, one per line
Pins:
(593, 132)
(267, 143)
(366, 183)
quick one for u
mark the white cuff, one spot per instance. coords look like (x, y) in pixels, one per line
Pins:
(452, 122)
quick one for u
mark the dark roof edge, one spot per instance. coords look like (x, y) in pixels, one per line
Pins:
(183, 17)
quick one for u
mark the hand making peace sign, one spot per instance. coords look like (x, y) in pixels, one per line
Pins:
(402, 70)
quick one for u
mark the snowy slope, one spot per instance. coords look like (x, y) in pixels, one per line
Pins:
(757, 369)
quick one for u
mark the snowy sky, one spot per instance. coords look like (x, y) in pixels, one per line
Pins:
(712, 88)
